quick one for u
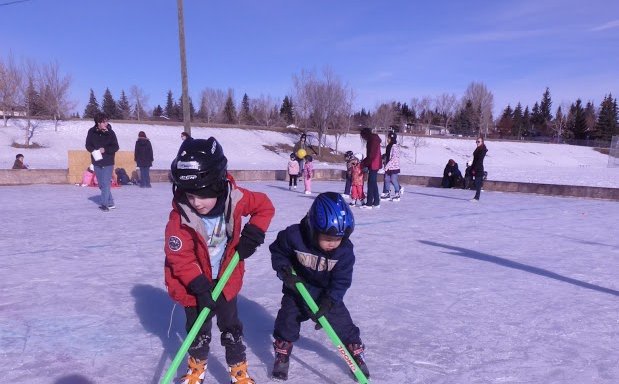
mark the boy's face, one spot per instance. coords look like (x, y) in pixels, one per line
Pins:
(328, 243)
(202, 205)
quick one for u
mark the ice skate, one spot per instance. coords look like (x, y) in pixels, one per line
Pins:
(357, 352)
(195, 371)
(385, 196)
(238, 374)
(283, 349)
(396, 197)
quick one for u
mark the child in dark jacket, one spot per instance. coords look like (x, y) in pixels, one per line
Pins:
(319, 250)
(202, 235)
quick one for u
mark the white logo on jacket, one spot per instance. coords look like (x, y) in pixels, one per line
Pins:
(315, 262)
(174, 243)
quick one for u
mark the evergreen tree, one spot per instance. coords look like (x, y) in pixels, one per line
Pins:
(506, 122)
(245, 114)
(124, 108)
(577, 124)
(286, 110)
(34, 104)
(590, 118)
(545, 114)
(527, 126)
(518, 120)
(158, 111)
(536, 121)
(168, 111)
(178, 109)
(606, 125)
(467, 120)
(109, 106)
(92, 108)
(229, 112)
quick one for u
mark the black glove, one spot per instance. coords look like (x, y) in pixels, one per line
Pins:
(290, 280)
(201, 288)
(325, 303)
(251, 238)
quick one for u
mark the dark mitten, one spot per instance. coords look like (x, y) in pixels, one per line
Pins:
(325, 303)
(201, 288)
(290, 280)
(251, 238)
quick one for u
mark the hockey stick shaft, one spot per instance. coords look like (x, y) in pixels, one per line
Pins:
(341, 348)
(200, 320)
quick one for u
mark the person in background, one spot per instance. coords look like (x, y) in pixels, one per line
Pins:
(451, 175)
(204, 231)
(101, 142)
(308, 173)
(19, 162)
(301, 144)
(185, 136)
(477, 168)
(356, 190)
(348, 157)
(392, 168)
(293, 171)
(373, 163)
(319, 251)
(143, 156)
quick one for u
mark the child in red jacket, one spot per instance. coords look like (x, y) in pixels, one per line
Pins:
(202, 235)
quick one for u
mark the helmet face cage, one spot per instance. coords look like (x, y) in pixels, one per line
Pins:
(348, 155)
(200, 165)
(330, 215)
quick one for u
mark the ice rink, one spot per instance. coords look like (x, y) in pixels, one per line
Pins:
(514, 289)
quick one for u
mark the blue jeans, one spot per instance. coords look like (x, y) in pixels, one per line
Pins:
(479, 182)
(391, 179)
(104, 178)
(348, 184)
(144, 176)
(373, 198)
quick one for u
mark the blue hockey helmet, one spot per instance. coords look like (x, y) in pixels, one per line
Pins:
(330, 215)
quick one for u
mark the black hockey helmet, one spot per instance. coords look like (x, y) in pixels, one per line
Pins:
(393, 137)
(348, 155)
(200, 168)
(293, 156)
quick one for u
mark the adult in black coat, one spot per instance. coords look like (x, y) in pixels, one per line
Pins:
(102, 144)
(477, 167)
(143, 156)
(451, 175)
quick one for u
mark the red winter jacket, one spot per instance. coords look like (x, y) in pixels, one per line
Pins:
(373, 160)
(186, 250)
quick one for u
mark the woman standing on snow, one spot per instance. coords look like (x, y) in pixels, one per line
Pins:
(373, 163)
(477, 168)
(143, 156)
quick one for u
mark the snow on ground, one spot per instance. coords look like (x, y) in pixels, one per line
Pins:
(507, 161)
(515, 289)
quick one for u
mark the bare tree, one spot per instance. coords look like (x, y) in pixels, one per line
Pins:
(423, 108)
(11, 79)
(418, 142)
(384, 115)
(264, 110)
(55, 92)
(139, 101)
(483, 101)
(322, 102)
(212, 102)
(446, 106)
(32, 99)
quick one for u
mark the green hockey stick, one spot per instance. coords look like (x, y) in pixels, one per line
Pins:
(200, 320)
(341, 348)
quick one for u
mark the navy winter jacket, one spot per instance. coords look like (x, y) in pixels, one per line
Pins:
(96, 139)
(323, 272)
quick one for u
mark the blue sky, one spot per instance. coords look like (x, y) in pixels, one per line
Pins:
(390, 50)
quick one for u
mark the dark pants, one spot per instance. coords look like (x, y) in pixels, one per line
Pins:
(294, 311)
(373, 198)
(144, 176)
(231, 331)
(479, 181)
(348, 184)
(293, 180)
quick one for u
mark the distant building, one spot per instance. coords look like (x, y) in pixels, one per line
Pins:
(14, 112)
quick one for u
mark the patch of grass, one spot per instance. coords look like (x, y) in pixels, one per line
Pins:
(603, 151)
(31, 146)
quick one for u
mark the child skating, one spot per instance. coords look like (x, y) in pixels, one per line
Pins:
(356, 190)
(293, 172)
(202, 235)
(308, 173)
(321, 253)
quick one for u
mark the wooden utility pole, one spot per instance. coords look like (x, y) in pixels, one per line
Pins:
(181, 43)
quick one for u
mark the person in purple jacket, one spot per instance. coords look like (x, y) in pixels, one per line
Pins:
(319, 250)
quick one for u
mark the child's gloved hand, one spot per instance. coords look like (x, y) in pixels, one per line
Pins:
(289, 279)
(251, 238)
(325, 303)
(201, 288)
